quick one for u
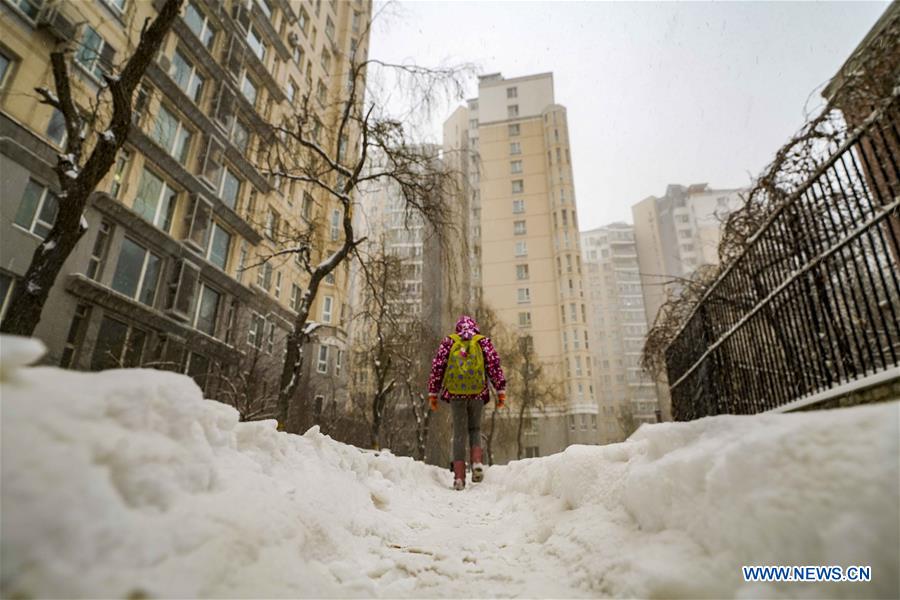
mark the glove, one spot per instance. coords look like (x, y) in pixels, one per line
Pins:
(501, 399)
(432, 400)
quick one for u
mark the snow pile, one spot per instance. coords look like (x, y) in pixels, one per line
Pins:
(679, 508)
(128, 483)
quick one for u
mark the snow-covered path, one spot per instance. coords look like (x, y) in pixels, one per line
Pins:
(473, 544)
(128, 483)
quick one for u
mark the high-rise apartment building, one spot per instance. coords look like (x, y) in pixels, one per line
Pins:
(170, 272)
(626, 394)
(676, 234)
(525, 224)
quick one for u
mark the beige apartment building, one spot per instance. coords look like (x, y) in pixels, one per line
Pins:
(525, 229)
(626, 394)
(168, 272)
(676, 234)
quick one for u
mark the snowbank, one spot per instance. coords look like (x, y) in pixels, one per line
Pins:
(129, 482)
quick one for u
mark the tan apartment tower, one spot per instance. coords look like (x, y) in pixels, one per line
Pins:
(169, 273)
(525, 225)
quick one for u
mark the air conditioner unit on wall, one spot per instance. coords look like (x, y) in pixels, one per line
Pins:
(182, 289)
(52, 19)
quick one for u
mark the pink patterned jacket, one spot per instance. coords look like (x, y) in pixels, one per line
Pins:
(466, 327)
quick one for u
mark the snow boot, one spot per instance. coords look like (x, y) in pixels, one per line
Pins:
(459, 474)
(477, 467)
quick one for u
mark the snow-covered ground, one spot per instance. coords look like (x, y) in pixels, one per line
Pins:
(128, 482)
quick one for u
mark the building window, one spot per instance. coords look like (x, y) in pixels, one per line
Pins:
(265, 7)
(119, 172)
(6, 288)
(31, 8)
(219, 244)
(94, 53)
(270, 338)
(186, 76)
(277, 291)
(512, 111)
(515, 148)
(199, 24)
(512, 92)
(303, 21)
(532, 451)
(75, 336)
(524, 319)
(524, 295)
(307, 206)
(255, 41)
(197, 368)
(56, 128)
(571, 422)
(38, 209)
(322, 362)
(521, 271)
(513, 129)
(141, 100)
(264, 276)
(329, 28)
(295, 297)
(240, 136)
(518, 207)
(118, 6)
(355, 22)
(137, 273)
(321, 93)
(118, 345)
(155, 200)
(5, 68)
(98, 254)
(519, 227)
(327, 308)
(518, 186)
(335, 225)
(207, 310)
(291, 91)
(256, 331)
(515, 167)
(171, 135)
(230, 189)
(249, 90)
(521, 248)
(272, 221)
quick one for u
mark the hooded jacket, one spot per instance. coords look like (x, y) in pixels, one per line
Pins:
(466, 328)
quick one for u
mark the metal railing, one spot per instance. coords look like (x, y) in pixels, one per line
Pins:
(813, 301)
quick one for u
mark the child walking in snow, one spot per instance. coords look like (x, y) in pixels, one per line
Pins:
(459, 373)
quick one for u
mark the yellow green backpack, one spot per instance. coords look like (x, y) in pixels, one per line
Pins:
(465, 367)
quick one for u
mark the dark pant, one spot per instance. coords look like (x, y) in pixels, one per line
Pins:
(466, 418)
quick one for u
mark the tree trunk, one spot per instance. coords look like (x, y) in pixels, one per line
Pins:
(76, 181)
(520, 428)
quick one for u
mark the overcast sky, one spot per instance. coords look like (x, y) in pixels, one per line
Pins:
(657, 93)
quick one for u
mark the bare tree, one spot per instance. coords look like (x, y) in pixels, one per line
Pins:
(381, 318)
(299, 152)
(626, 420)
(79, 176)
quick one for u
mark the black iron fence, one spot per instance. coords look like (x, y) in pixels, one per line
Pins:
(813, 302)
